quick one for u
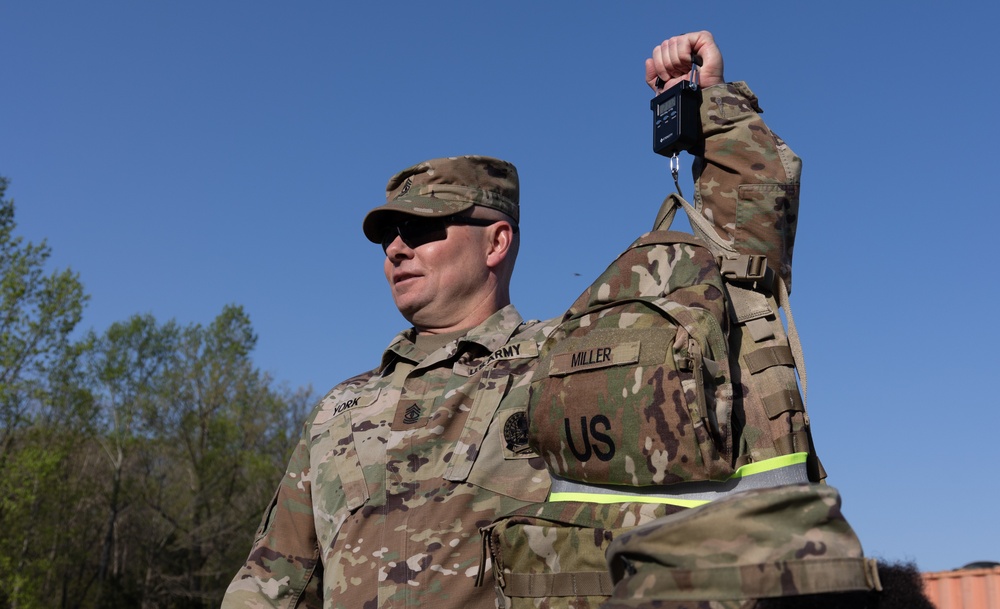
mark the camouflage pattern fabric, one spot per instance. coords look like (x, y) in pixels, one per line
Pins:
(552, 555)
(778, 542)
(398, 467)
(396, 471)
(446, 186)
(747, 182)
(636, 378)
(747, 186)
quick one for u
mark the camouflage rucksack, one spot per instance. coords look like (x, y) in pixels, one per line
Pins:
(672, 367)
(634, 385)
(769, 410)
(669, 382)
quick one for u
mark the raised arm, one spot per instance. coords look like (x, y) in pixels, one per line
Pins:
(746, 177)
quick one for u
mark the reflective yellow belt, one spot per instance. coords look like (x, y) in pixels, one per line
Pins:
(777, 471)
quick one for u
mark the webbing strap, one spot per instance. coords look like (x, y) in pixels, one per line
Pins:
(793, 337)
(790, 443)
(811, 576)
(752, 309)
(539, 585)
(777, 471)
(759, 328)
(704, 229)
(783, 401)
(764, 358)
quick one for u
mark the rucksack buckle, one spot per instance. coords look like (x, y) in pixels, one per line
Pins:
(745, 266)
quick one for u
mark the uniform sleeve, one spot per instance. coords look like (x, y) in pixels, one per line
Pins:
(747, 181)
(283, 569)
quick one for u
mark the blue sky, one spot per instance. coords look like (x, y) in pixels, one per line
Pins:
(184, 155)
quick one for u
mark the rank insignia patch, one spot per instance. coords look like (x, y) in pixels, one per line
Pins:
(412, 414)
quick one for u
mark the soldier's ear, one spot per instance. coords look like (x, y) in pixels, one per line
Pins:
(499, 242)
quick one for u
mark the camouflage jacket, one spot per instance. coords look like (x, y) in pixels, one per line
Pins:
(747, 178)
(395, 472)
(398, 467)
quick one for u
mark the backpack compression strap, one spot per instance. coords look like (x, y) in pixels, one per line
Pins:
(748, 304)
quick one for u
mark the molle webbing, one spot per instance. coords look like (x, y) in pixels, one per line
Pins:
(813, 576)
(767, 357)
(542, 585)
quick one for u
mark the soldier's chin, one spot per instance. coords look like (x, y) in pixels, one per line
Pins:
(406, 304)
(413, 316)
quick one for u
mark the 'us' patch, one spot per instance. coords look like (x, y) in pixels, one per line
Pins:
(515, 433)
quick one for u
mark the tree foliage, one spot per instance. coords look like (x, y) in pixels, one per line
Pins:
(38, 312)
(135, 461)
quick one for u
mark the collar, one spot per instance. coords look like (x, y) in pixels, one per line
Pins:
(483, 339)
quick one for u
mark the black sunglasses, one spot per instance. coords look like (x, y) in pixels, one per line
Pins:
(417, 231)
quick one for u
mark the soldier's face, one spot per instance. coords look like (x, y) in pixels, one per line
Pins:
(440, 284)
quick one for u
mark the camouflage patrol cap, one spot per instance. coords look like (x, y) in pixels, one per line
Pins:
(446, 186)
(783, 541)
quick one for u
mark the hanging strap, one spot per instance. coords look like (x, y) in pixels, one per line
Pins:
(740, 267)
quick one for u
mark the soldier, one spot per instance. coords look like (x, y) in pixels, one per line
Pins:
(398, 467)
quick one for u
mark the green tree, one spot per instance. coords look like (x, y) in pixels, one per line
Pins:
(126, 367)
(39, 400)
(193, 438)
(38, 312)
(134, 463)
(224, 432)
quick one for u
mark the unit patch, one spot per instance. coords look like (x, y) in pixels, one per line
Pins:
(515, 433)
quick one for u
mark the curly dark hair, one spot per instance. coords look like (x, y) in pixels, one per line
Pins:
(902, 588)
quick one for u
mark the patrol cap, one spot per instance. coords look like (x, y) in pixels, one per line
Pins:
(446, 186)
(783, 541)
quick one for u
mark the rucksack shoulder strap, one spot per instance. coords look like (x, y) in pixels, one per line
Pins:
(750, 306)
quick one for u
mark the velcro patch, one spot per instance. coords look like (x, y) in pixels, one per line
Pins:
(517, 350)
(595, 356)
(515, 433)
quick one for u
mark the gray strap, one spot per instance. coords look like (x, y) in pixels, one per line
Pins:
(793, 337)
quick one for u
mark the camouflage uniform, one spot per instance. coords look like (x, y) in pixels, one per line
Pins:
(394, 474)
(747, 178)
(397, 468)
